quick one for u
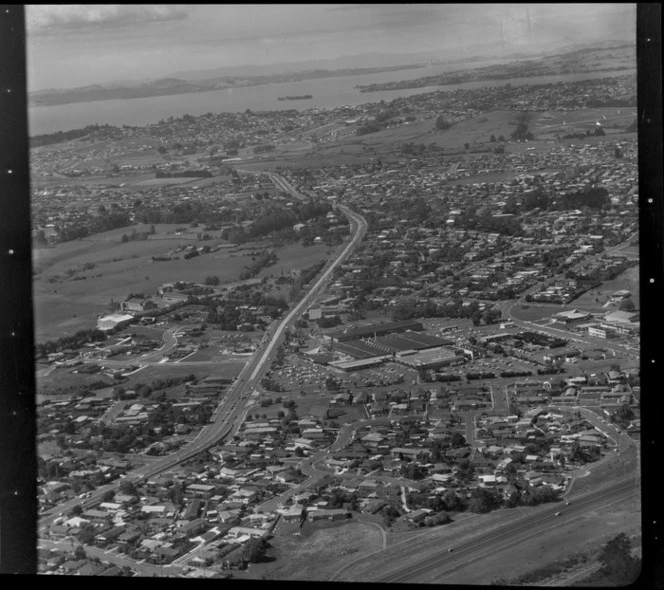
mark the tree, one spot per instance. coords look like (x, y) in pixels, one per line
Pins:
(623, 414)
(79, 552)
(87, 534)
(212, 280)
(627, 305)
(254, 550)
(618, 565)
(128, 488)
(441, 123)
(458, 440)
(452, 501)
(175, 494)
(77, 510)
(492, 139)
(483, 500)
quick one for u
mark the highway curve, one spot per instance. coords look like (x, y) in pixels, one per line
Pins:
(444, 562)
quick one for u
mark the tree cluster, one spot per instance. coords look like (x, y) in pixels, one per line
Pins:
(69, 342)
(521, 132)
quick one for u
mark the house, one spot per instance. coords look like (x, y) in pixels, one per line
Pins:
(193, 509)
(137, 304)
(103, 539)
(72, 566)
(374, 506)
(286, 477)
(332, 514)
(129, 537)
(244, 496)
(228, 516)
(200, 490)
(410, 452)
(293, 513)
(241, 531)
(416, 516)
(192, 528)
(91, 569)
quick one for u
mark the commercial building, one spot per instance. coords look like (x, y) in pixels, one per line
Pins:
(114, 321)
(374, 330)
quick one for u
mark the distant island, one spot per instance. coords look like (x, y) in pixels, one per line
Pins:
(302, 97)
(582, 61)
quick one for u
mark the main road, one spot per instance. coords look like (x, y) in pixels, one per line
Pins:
(449, 556)
(229, 415)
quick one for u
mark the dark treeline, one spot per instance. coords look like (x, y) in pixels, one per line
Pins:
(69, 342)
(592, 197)
(228, 315)
(379, 122)
(60, 136)
(408, 309)
(276, 219)
(185, 174)
(264, 260)
(96, 225)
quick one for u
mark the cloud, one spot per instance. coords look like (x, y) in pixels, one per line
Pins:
(45, 19)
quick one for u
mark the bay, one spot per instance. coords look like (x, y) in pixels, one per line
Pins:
(328, 93)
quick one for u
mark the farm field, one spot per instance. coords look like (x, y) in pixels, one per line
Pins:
(62, 378)
(96, 248)
(116, 269)
(211, 354)
(227, 369)
(149, 181)
(296, 257)
(73, 305)
(612, 119)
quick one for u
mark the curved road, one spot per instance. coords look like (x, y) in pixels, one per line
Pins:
(444, 561)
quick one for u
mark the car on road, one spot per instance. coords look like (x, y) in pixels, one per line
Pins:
(558, 513)
(567, 503)
(450, 550)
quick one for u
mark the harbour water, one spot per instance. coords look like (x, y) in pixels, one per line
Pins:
(328, 93)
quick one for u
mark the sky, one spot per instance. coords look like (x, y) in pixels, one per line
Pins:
(78, 45)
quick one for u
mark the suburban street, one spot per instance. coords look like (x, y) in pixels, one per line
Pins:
(142, 569)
